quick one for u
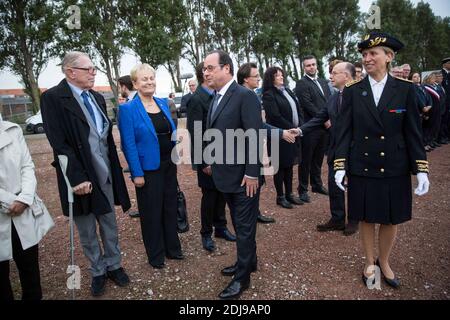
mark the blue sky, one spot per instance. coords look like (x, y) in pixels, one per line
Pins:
(52, 74)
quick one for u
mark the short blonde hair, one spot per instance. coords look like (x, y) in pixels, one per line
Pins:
(140, 67)
(389, 50)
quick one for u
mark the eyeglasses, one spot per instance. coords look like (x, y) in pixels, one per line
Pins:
(211, 68)
(257, 76)
(90, 69)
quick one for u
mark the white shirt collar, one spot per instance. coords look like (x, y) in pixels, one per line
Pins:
(374, 82)
(76, 89)
(312, 78)
(225, 88)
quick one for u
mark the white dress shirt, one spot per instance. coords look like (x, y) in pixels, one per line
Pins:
(377, 88)
(314, 79)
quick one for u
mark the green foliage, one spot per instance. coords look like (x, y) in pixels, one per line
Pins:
(25, 41)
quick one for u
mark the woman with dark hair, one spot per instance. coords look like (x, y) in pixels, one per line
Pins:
(282, 111)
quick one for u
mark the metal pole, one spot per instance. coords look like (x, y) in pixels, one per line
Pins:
(63, 161)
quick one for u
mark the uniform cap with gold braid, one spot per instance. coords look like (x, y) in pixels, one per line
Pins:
(376, 39)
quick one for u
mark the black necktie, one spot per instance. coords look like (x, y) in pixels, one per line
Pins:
(339, 104)
(215, 104)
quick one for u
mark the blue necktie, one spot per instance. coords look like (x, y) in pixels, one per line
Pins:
(215, 104)
(89, 106)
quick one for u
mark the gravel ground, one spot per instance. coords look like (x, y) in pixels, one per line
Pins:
(294, 260)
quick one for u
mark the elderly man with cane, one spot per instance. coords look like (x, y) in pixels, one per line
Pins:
(77, 126)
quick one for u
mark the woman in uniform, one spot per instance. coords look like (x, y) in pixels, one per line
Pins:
(379, 145)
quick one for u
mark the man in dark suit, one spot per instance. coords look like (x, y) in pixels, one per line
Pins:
(313, 93)
(341, 74)
(76, 124)
(212, 203)
(192, 84)
(237, 169)
(445, 84)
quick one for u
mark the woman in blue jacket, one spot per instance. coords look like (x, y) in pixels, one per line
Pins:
(146, 128)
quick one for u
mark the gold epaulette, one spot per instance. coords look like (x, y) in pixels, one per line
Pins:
(339, 164)
(422, 166)
(349, 84)
(403, 79)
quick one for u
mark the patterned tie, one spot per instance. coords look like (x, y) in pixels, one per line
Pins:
(215, 104)
(320, 87)
(88, 106)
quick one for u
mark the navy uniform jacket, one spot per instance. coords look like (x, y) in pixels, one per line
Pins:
(329, 112)
(446, 86)
(383, 141)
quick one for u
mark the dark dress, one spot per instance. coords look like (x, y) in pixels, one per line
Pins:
(380, 146)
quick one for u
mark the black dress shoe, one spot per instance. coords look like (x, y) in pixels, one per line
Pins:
(179, 256)
(119, 277)
(281, 201)
(158, 266)
(225, 234)
(133, 214)
(304, 196)
(98, 285)
(394, 283)
(320, 190)
(351, 228)
(294, 199)
(231, 270)
(331, 226)
(208, 243)
(265, 219)
(234, 289)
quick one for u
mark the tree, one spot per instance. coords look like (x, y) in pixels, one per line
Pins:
(101, 36)
(25, 41)
(340, 24)
(155, 32)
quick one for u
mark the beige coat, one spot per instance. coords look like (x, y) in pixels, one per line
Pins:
(18, 183)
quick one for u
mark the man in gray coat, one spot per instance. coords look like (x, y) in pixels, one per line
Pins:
(76, 124)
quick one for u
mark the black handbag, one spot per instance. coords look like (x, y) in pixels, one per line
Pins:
(182, 219)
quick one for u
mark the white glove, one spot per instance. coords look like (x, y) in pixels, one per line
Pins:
(339, 178)
(422, 184)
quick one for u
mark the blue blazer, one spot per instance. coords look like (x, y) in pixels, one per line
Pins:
(138, 136)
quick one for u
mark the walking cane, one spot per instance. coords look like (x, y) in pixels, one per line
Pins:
(63, 161)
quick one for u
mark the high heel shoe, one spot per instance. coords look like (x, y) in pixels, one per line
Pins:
(394, 283)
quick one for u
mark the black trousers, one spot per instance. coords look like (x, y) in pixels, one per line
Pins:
(27, 262)
(283, 177)
(337, 197)
(244, 211)
(443, 133)
(158, 213)
(212, 211)
(313, 151)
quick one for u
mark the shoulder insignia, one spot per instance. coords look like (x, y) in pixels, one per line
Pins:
(406, 80)
(351, 83)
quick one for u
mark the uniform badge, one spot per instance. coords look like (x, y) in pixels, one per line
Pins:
(364, 93)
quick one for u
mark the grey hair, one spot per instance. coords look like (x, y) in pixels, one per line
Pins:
(71, 59)
(350, 69)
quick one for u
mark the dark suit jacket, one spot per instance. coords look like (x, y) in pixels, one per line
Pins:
(383, 141)
(446, 86)
(310, 97)
(197, 110)
(184, 103)
(329, 112)
(239, 108)
(67, 131)
(279, 114)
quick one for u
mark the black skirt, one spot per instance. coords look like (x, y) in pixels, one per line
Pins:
(380, 200)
